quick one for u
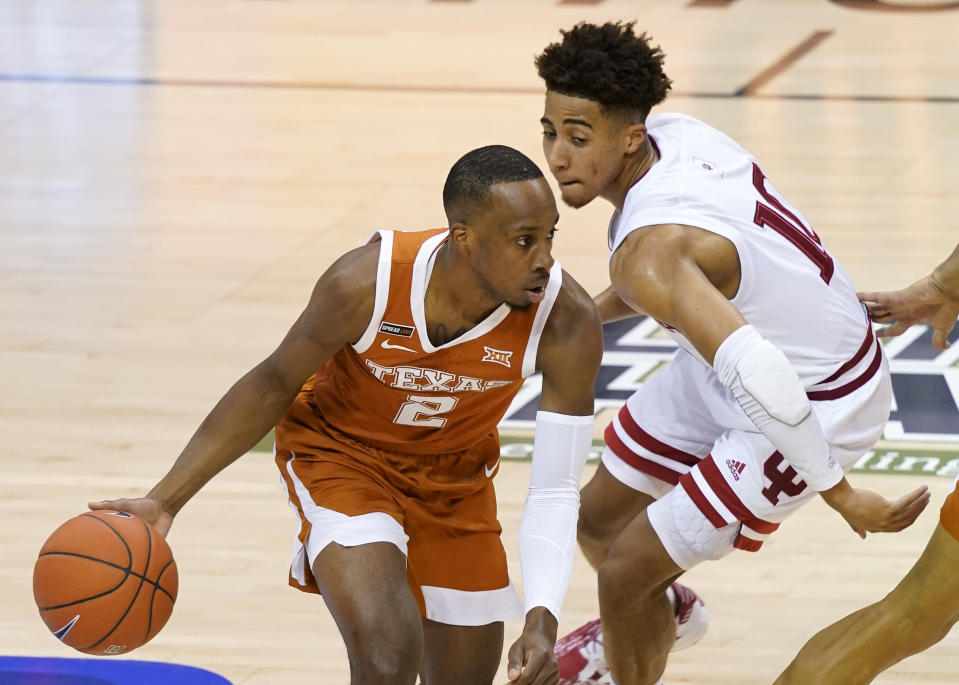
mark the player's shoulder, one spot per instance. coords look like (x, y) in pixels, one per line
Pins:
(573, 311)
(678, 125)
(350, 281)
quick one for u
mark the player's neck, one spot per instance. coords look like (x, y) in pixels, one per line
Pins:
(454, 297)
(634, 169)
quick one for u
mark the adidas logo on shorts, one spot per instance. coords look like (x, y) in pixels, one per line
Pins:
(735, 468)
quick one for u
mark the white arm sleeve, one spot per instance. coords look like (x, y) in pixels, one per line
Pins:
(771, 394)
(547, 533)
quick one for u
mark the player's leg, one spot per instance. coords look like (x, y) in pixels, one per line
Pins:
(458, 562)
(663, 430)
(351, 546)
(466, 655)
(670, 537)
(607, 506)
(632, 596)
(918, 613)
(367, 592)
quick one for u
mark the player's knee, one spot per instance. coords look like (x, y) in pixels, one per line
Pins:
(920, 630)
(385, 649)
(386, 661)
(621, 574)
(595, 530)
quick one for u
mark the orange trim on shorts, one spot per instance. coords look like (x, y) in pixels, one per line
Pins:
(949, 515)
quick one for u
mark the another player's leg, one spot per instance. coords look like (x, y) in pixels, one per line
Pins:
(606, 507)
(366, 590)
(466, 655)
(917, 614)
(632, 601)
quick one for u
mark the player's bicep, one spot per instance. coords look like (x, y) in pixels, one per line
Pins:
(570, 352)
(658, 273)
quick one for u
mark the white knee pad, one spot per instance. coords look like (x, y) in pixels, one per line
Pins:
(687, 535)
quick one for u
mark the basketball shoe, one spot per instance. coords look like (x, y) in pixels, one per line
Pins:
(580, 653)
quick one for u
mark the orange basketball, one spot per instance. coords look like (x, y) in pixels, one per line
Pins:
(105, 582)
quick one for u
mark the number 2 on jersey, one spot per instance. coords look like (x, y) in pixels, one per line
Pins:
(422, 411)
(788, 225)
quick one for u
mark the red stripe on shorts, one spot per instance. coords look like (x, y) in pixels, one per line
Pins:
(636, 461)
(652, 444)
(747, 544)
(699, 499)
(711, 473)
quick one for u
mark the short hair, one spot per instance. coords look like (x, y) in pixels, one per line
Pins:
(608, 64)
(469, 181)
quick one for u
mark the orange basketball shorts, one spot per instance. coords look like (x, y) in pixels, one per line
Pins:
(439, 510)
(949, 515)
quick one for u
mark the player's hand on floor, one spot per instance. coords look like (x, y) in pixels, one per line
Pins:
(869, 512)
(147, 509)
(922, 302)
(531, 658)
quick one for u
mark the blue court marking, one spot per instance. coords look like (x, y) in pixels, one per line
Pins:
(17, 670)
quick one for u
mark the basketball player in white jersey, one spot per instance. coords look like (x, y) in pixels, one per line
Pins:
(779, 385)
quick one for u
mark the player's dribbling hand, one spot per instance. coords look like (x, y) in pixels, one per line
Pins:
(869, 512)
(145, 508)
(531, 658)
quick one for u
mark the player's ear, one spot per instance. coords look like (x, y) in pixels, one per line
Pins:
(461, 237)
(635, 136)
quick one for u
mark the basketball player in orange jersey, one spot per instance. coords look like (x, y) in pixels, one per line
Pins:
(385, 394)
(779, 385)
(925, 605)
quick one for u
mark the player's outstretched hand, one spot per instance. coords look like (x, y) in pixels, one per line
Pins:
(924, 301)
(147, 509)
(869, 512)
(531, 658)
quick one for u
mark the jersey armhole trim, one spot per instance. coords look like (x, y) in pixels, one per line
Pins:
(539, 321)
(383, 269)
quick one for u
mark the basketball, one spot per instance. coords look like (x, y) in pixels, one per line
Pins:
(105, 582)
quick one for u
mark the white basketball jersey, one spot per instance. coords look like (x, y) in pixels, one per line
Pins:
(792, 291)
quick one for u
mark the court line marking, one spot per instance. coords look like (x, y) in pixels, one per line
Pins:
(410, 88)
(783, 63)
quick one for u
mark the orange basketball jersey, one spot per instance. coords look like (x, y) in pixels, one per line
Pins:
(395, 390)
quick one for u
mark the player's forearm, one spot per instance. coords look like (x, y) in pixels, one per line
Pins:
(240, 419)
(611, 306)
(547, 538)
(771, 394)
(946, 275)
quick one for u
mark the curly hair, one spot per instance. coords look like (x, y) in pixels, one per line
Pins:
(608, 64)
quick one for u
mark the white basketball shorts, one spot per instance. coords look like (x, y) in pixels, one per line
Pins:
(684, 428)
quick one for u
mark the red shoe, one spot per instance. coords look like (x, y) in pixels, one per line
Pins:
(580, 655)
(692, 619)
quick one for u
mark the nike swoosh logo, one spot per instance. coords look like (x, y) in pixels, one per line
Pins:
(62, 633)
(489, 470)
(387, 345)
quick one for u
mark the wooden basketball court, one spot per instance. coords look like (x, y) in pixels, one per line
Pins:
(174, 176)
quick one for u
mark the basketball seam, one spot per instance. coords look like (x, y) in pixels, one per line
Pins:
(156, 586)
(126, 571)
(136, 594)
